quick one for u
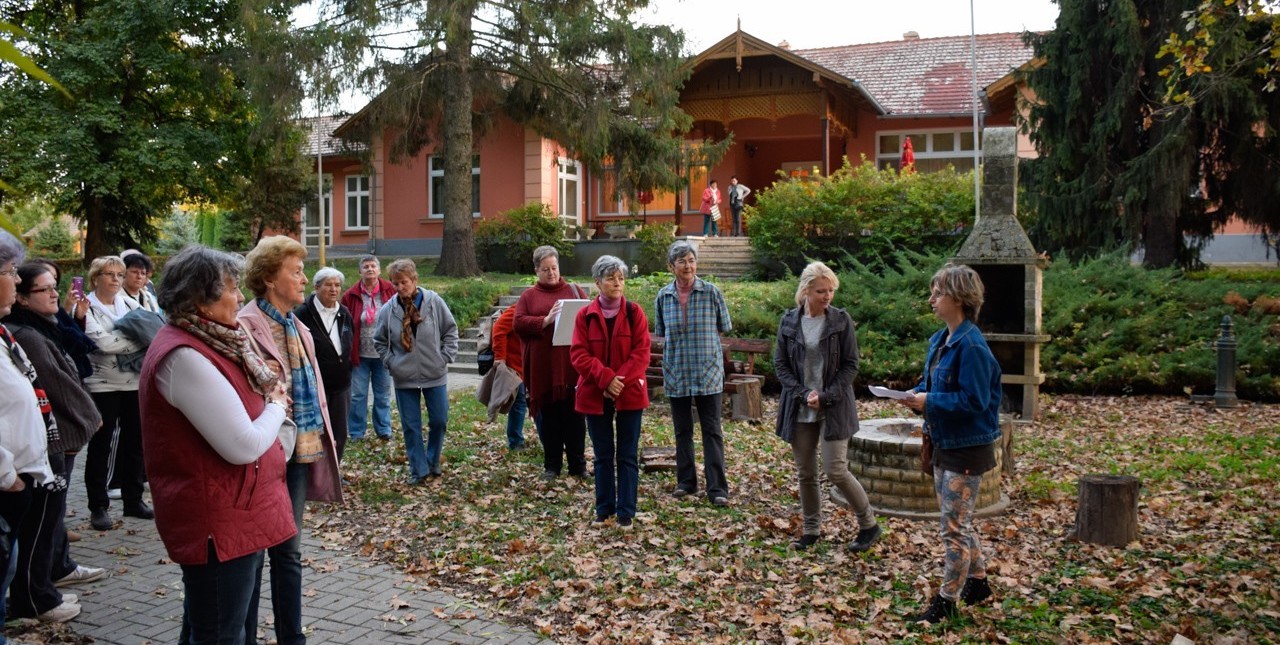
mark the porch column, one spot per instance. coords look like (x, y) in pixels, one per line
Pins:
(826, 146)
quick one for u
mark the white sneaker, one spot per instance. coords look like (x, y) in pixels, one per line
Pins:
(113, 493)
(70, 599)
(81, 574)
(60, 614)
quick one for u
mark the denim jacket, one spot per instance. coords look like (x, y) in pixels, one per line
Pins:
(963, 406)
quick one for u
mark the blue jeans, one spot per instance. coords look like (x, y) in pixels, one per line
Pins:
(370, 369)
(423, 462)
(286, 565)
(221, 604)
(711, 225)
(620, 497)
(515, 420)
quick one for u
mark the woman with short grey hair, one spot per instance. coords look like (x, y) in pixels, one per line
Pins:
(679, 250)
(333, 329)
(691, 314)
(610, 351)
(213, 416)
(543, 252)
(202, 281)
(549, 376)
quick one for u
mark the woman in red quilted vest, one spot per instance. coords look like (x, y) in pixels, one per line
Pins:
(213, 416)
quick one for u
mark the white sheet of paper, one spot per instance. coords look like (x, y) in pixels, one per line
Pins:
(564, 322)
(886, 393)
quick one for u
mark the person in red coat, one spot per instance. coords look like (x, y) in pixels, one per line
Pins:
(507, 348)
(363, 300)
(212, 413)
(610, 352)
(548, 374)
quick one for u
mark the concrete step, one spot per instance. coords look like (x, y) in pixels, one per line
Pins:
(464, 368)
(507, 301)
(468, 344)
(469, 332)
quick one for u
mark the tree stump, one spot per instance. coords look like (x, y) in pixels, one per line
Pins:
(746, 400)
(1108, 510)
(654, 459)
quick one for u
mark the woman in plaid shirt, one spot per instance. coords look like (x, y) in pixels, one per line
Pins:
(691, 315)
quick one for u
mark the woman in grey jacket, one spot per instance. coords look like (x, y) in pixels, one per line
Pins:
(816, 359)
(417, 338)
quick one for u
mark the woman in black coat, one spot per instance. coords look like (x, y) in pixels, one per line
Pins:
(816, 359)
(332, 328)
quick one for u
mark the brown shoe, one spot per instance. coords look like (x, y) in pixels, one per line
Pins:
(72, 536)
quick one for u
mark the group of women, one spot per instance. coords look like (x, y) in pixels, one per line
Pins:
(235, 406)
(600, 376)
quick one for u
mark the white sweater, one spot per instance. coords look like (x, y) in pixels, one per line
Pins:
(100, 326)
(24, 446)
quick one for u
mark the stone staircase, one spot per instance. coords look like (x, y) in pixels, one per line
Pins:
(723, 257)
(469, 338)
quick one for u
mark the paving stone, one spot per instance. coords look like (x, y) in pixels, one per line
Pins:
(141, 601)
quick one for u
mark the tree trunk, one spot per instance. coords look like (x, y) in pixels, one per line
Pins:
(458, 255)
(95, 236)
(1108, 510)
(746, 400)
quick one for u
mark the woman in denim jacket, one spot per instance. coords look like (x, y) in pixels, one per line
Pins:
(960, 400)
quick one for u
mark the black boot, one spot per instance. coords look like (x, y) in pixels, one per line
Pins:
(939, 609)
(100, 520)
(865, 540)
(975, 591)
(139, 509)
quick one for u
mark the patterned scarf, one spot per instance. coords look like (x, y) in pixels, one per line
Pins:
(369, 301)
(412, 318)
(302, 387)
(233, 344)
(24, 365)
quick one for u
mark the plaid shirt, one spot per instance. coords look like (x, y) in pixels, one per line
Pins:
(692, 362)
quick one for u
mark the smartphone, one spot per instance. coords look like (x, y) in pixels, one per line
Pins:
(77, 284)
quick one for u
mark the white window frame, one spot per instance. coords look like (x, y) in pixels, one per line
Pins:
(326, 213)
(577, 177)
(928, 152)
(434, 173)
(360, 221)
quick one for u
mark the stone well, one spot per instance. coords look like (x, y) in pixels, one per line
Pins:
(885, 457)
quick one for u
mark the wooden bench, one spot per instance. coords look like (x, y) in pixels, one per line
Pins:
(741, 382)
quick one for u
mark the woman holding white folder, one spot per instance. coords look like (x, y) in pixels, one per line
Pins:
(549, 376)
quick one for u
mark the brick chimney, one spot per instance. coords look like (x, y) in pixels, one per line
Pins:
(911, 35)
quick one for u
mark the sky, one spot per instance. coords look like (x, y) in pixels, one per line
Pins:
(827, 23)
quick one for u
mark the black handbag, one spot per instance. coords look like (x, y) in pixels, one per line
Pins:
(485, 360)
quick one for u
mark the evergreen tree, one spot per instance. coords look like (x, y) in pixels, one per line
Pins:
(1150, 141)
(1112, 170)
(582, 72)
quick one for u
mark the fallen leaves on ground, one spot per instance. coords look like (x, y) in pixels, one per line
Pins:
(492, 532)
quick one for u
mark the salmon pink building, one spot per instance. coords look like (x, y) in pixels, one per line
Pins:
(794, 112)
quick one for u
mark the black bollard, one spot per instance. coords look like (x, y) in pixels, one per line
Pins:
(1224, 396)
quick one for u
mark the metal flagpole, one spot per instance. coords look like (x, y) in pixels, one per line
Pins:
(320, 168)
(977, 147)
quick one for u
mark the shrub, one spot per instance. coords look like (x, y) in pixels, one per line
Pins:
(54, 240)
(859, 212)
(507, 243)
(655, 239)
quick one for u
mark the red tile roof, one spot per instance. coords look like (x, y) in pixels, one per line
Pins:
(924, 76)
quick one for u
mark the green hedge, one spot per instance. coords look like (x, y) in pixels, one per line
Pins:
(1117, 328)
(858, 211)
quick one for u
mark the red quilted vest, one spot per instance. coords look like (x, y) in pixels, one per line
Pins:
(198, 496)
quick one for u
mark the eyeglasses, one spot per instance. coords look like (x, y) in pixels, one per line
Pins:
(686, 262)
(12, 273)
(108, 274)
(42, 290)
(547, 269)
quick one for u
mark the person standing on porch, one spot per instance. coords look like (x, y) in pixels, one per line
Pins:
(737, 193)
(363, 301)
(710, 209)
(691, 314)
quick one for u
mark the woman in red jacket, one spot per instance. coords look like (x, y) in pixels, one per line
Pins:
(610, 352)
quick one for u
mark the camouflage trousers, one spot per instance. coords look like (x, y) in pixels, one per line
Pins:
(957, 498)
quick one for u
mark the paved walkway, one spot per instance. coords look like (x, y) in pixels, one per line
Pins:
(346, 598)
